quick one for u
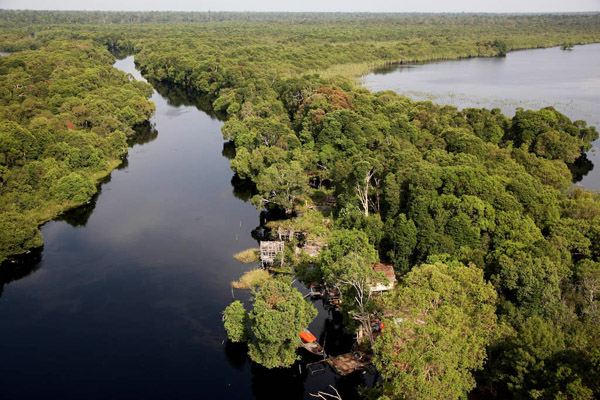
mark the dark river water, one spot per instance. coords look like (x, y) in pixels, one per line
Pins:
(126, 300)
(568, 80)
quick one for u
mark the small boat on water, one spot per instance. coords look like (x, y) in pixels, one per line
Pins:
(316, 290)
(309, 342)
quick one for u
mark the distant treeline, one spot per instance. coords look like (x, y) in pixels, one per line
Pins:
(16, 17)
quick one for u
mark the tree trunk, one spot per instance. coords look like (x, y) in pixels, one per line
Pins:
(363, 191)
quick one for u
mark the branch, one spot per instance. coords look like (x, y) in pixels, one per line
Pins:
(322, 395)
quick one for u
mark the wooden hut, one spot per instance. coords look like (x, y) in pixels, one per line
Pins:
(388, 271)
(270, 251)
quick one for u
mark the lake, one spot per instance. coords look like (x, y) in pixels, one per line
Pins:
(568, 80)
(126, 299)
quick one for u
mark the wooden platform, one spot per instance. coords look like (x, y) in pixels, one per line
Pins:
(271, 251)
(346, 364)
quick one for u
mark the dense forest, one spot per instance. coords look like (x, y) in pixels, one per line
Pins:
(66, 115)
(496, 253)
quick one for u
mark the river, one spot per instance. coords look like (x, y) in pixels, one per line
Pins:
(568, 80)
(126, 300)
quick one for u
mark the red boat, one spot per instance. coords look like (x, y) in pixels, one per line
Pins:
(309, 342)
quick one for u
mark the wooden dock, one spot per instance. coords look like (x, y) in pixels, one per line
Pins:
(348, 363)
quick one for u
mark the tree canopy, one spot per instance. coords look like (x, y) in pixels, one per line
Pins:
(440, 321)
(279, 314)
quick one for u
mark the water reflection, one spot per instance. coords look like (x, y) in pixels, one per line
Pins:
(79, 216)
(178, 97)
(228, 150)
(237, 354)
(581, 168)
(144, 133)
(243, 189)
(275, 384)
(391, 68)
(20, 267)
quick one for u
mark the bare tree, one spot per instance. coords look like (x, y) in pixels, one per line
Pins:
(362, 190)
(326, 396)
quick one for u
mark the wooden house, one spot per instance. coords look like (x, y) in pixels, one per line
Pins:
(388, 271)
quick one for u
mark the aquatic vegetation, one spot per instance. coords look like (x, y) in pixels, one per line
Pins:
(248, 256)
(254, 278)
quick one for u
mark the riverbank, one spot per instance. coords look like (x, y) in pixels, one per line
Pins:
(60, 139)
(358, 71)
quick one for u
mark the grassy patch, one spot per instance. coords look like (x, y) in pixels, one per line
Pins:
(252, 279)
(247, 256)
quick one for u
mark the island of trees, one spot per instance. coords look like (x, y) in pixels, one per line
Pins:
(495, 251)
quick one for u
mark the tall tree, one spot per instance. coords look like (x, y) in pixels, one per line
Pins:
(279, 314)
(438, 324)
(280, 185)
(347, 263)
(235, 320)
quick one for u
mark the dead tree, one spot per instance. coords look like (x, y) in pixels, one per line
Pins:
(326, 396)
(362, 190)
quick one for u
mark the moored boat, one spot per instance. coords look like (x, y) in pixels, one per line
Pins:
(309, 342)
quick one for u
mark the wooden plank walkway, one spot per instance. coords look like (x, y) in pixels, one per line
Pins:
(346, 364)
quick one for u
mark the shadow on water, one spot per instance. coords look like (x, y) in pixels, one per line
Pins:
(79, 216)
(243, 189)
(277, 383)
(581, 168)
(178, 96)
(390, 68)
(120, 54)
(236, 354)
(262, 232)
(20, 267)
(144, 133)
(228, 150)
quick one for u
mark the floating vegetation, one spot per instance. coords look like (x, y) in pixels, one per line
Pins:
(252, 279)
(506, 104)
(247, 256)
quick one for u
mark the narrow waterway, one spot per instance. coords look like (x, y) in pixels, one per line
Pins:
(126, 300)
(568, 80)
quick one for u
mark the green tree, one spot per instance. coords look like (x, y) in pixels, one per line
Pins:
(441, 318)
(347, 263)
(401, 235)
(73, 187)
(17, 234)
(280, 185)
(235, 320)
(279, 314)
(542, 361)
